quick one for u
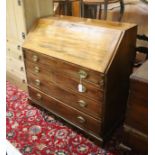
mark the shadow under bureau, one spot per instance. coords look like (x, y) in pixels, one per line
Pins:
(79, 69)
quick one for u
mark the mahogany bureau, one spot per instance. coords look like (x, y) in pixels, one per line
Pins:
(136, 122)
(79, 69)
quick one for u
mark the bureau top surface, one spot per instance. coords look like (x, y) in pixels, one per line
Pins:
(141, 73)
(86, 42)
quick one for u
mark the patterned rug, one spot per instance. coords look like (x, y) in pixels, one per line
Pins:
(33, 131)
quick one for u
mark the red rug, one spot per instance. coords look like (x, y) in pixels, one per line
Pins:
(34, 131)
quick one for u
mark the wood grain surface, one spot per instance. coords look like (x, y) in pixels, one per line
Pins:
(82, 42)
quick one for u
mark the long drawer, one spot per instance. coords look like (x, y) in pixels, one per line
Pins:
(68, 113)
(64, 81)
(82, 103)
(64, 67)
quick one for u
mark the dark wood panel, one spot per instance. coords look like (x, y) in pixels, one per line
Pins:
(135, 140)
(117, 81)
(137, 112)
(93, 108)
(71, 114)
(64, 67)
(139, 89)
(136, 122)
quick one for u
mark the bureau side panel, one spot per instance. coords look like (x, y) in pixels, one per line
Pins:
(117, 82)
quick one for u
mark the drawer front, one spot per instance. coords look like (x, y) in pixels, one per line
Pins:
(135, 140)
(68, 113)
(69, 97)
(63, 67)
(64, 81)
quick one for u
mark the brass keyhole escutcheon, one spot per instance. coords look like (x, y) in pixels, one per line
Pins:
(81, 88)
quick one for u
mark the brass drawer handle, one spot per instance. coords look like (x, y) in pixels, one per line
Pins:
(35, 58)
(81, 119)
(37, 82)
(36, 69)
(83, 74)
(82, 103)
(39, 96)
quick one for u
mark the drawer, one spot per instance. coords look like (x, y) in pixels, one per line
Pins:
(65, 68)
(68, 113)
(135, 140)
(64, 81)
(69, 97)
